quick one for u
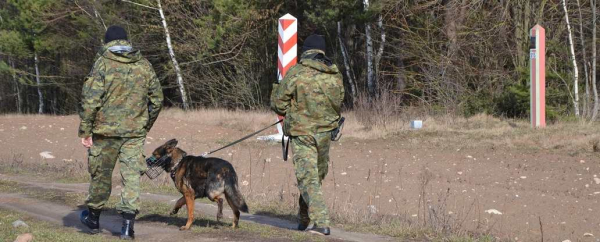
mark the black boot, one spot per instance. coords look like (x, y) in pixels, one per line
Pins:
(91, 219)
(303, 225)
(127, 232)
(320, 230)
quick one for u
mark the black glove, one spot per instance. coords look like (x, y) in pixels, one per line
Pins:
(336, 134)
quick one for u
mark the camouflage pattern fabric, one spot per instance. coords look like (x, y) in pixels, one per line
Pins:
(122, 98)
(310, 97)
(122, 95)
(102, 158)
(311, 160)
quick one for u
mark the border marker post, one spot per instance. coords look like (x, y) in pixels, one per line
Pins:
(537, 60)
(287, 56)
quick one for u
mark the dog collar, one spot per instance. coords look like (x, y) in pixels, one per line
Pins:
(175, 168)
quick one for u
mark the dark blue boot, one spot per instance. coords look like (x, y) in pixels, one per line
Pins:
(127, 232)
(91, 219)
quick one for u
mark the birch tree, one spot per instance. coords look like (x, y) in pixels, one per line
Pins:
(39, 83)
(575, 71)
(173, 59)
(180, 83)
(379, 53)
(371, 85)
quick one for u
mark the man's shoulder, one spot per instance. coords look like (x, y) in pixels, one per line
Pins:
(301, 71)
(145, 64)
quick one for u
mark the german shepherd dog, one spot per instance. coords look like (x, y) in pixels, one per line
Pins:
(199, 177)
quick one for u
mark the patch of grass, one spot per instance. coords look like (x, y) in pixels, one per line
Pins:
(240, 120)
(160, 185)
(159, 212)
(486, 238)
(273, 209)
(41, 231)
(56, 173)
(9, 186)
(393, 229)
(49, 195)
(392, 226)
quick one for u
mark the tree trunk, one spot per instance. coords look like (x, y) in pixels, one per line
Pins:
(346, 62)
(17, 90)
(379, 53)
(401, 80)
(594, 89)
(371, 82)
(184, 97)
(575, 71)
(586, 109)
(521, 19)
(39, 83)
(455, 13)
(540, 16)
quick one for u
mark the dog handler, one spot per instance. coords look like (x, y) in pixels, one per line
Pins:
(310, 97)
(121, 99)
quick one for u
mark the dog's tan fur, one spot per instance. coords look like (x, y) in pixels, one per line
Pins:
(198, 177)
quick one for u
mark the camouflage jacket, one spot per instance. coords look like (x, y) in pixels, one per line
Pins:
(122, 96)
(309, 96)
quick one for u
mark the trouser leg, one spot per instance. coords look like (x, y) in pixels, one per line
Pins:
(303, 211)
(101, 162)
(307, 174)
(323, 141)
(131, 167)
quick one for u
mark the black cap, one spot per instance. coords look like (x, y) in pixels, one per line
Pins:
(314, 42)
(115, 33)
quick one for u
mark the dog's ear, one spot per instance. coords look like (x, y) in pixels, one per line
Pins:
(171, 143)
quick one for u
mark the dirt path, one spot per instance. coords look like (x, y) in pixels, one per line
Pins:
(110, 224)
(484, 185)
(56, 213)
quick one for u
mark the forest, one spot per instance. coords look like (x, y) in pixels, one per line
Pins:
(462, 57)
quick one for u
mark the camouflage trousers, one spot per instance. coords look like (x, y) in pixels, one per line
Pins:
(311, 160)
(102, 157)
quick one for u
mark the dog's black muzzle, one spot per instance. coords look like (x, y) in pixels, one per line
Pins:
(157, 166)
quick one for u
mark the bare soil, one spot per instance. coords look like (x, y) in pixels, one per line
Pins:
(512, 193)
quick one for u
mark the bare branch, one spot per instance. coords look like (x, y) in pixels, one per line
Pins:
(141, 5)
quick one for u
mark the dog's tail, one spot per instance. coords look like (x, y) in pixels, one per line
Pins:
(233, 193)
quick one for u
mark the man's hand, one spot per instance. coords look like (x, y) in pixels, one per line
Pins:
(87, 142)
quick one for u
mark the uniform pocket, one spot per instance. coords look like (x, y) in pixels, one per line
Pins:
(142, 164)
(132, 155)
(94, 161)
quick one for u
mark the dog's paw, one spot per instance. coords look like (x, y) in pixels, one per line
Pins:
(173, 212)
(219, 216)
(183, 228)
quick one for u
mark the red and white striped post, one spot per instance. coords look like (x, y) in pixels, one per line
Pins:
(287, 56)
(287, 50)
(537, 56)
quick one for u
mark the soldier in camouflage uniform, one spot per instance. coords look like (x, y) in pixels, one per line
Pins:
(310, 97)
(121, 99)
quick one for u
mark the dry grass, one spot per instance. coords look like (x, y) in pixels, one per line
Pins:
(442, 130)
(488, 131)
(245, 121)
(479, 130)
(41, 230)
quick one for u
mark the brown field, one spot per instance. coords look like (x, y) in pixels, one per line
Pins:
(444, 180)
